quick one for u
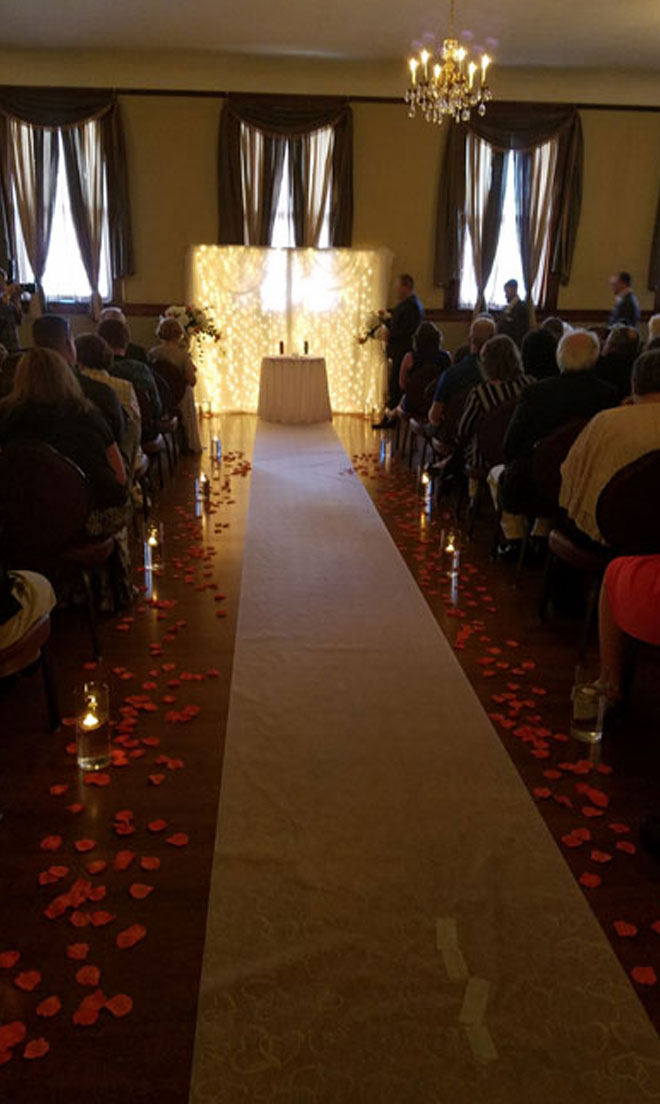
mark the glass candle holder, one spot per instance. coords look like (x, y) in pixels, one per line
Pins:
(92, 726)
(216, 450)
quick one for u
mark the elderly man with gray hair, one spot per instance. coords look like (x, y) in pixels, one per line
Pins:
(467, 372)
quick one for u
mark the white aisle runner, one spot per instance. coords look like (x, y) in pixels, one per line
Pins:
(390, 921)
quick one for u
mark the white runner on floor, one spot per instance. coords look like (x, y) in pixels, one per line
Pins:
(390, 921)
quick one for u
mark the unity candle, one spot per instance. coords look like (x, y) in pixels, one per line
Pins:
(92, 727)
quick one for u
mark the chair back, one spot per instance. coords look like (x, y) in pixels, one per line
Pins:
(149, 426)
(45, 500)
(491, 432)
(627, 512)
(165, 393)
(174, 378)
(549, 455)
(453, 413)
(8, 371)
(421, 388)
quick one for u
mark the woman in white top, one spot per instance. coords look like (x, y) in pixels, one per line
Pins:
(172, 349)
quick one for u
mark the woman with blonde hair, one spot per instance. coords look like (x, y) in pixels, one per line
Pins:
(172, 349)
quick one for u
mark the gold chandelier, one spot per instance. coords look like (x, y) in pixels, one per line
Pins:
(451, 85)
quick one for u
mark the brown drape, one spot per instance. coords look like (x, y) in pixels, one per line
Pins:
(262, 163)
(534, 173)
(654, 262)
(285, 118)
(484, 200)
(311, 162)
(7, 244)
(83, 154)
(514, 126)
(53, 109)
(33, 160)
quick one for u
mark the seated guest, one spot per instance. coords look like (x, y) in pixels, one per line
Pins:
(51, 331)
(11, 314)
(629, 607)
(504, 379)
(465, 373)
(539, 354)
(47, 404)
(172, 348)
(514, 319)
(94, 361)
(554, 325)
(654, 329)
(619, 353)
(575, 393)
(140, 375)
(25, 597)
(611, 440)
(626, 308)
(427, 359)
(133, 350)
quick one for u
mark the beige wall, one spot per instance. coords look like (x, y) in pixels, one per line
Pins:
(172, 158)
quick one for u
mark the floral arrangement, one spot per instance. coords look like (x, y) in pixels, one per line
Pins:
(372, 327)
(195, 322)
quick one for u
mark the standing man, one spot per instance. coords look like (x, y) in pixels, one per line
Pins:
(401, 324)
(626, 308)
(11, 314)
(514, 320)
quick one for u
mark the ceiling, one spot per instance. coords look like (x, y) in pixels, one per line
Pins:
(594, 33)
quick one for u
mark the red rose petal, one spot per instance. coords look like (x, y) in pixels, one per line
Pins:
(11, 1034)
(102, 917)
(88, 975)
(542, 792)
(123, 860)
(49, 1007)
(79, 919)
(97, 893)
(84, 845)
(130, 936)
(77, 951)
(601, 856)
(624, 929)
(27, 980)
(36, 1048)
(8, 959)
(149, 862)
(139, 890)
(179, 839)
(95, 866)
(626, 846)
(156, 779)
(590, 881)
(77, 807)
(94, 778)
(120, 1005)
(644, 975)
(619, 829)
(58, 790)
(51, 843)
(157, 825)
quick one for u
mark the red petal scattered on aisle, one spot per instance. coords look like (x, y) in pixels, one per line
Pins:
(88, 975)
(88, 1011)
(624, 929)
(12, 1034)
(626, 846)
(8, 959)
(79, 919)
(156, 779)
(97, 779)
(83, 845)
(77, 807)
(130, 936)
(51, 843)
(157, 825)
(49, 1007)
(123, 859)
(101, 917)
(619, 829)
(179, 839)
(36, 1048)
(27, 980)
(95, 866)
(644, 975)
(655, 926)
(542, 792)
(120, 1005)
(97, 893)
(601, 856)
(592, 811)
(58, 790)
(148, 862)
(591, 881)
(77, 951)
(139, 890)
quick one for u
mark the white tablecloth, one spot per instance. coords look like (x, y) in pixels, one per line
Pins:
(294, 390)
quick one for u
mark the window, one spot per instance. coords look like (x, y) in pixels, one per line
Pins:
(508, 263)
(64, 275)
(321, 144)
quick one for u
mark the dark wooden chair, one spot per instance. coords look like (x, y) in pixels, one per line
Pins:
(491, 431)
(169, 424)
(45, 500)
(21, 656)
(153, 441)
(174, 378)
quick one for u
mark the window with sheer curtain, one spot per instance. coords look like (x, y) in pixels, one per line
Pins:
(287, 188)
(64, 276)
(508, 262)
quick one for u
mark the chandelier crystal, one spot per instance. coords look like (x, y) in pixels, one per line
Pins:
(451, 84)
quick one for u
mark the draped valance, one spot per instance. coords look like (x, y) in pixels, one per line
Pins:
(284, 120)
(518, 127)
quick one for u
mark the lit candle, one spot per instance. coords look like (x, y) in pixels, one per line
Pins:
(425, 58)
(450, 547)
(460, 54)
(472, 68)
(413, 63)
(485, 62)
(90, 720)
(152, 539)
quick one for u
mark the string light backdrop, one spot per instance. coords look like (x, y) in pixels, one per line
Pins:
(261, 297)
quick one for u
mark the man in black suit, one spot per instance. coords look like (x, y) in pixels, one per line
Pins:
(619, 354)
(514, 319)
(51, 331)
(401, 324)
(626, 308)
